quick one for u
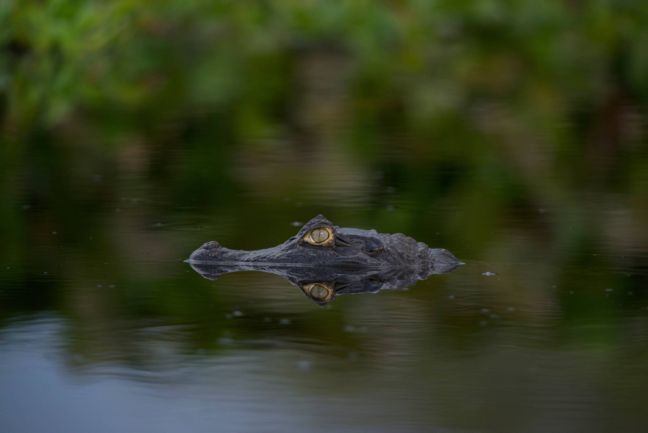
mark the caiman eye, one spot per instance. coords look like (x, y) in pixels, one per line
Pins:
(320, 292)
(321, 236)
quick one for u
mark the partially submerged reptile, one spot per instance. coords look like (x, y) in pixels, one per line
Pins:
(325, 260)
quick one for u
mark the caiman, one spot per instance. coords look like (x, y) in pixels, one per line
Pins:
(325, 260)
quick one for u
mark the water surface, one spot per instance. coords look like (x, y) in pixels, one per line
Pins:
(106, 329)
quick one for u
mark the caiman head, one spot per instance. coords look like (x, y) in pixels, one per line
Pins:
(324, 259)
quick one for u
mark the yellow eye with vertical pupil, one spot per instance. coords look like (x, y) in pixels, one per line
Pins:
(322, 236)
(320, 292)
(319, 235)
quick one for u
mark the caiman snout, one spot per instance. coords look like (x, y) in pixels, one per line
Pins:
(205, 253)
(443, 260)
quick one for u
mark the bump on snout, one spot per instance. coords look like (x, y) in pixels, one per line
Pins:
(205, 252)
(443, 260)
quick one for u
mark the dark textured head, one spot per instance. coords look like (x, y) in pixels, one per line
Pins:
(324, 260)
(319, 244)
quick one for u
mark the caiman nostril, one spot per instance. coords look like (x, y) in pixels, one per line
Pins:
(206, 251)
(443, 260)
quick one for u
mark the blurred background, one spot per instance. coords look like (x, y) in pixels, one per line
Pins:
(513, 133)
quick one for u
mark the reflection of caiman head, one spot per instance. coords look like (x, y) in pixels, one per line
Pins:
(325, 260)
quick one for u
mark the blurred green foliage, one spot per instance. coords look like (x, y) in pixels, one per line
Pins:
(64, 58)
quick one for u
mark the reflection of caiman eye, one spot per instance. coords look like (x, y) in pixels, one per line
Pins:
(320, 236)
(321, 292)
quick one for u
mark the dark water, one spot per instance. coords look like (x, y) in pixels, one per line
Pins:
(105, 329)
(513, 134)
